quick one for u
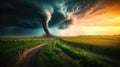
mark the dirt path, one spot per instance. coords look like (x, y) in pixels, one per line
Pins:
(27, 56)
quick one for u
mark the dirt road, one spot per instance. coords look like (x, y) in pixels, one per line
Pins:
(26, 59)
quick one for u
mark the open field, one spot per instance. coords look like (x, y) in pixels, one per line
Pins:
(8, 45)
(12, 47)
(80, 51)
(105, 41)
(105, 45)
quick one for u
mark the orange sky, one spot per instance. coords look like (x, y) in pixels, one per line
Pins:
(108, 15)
(103, 19)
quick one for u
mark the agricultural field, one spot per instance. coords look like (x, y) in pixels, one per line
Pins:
(80, 51)
(12, 47)
(104, 45)
(8, 45)
(105, 48)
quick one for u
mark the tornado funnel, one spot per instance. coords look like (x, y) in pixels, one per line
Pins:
(45, 24)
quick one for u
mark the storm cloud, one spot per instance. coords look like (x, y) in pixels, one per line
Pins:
(34, 14)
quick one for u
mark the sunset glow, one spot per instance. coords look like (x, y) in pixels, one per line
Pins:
(105, 21)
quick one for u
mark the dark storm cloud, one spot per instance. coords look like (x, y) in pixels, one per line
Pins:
(17, 10)
(37, 13)
(65, 24)
(77, 7)
(18, 14)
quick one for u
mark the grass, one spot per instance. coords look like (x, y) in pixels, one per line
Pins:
(104, 41)
(49, 57)
(108, 46)
(11, 45)
(80, 51)
(83, 58)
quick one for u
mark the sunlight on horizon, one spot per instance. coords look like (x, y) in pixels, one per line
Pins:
(102, 30)
(91, 30)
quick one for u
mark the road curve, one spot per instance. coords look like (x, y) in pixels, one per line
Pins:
(27, 53)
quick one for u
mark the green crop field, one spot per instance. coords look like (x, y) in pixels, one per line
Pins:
(80, 51)
(8, 45)
(103, 45)
(12, 47)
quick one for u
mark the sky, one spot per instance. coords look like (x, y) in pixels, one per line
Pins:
(59, 17)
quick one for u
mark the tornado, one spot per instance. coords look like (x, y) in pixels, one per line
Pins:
(44, 20)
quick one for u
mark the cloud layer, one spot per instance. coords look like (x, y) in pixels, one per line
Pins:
(60, 14)
(25, 13)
